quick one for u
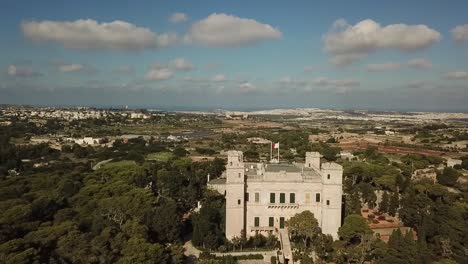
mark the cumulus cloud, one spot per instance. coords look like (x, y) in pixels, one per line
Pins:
(420, 63)
(70, 67)
(383, 66)
(246, 87)
(21, 71)
(222, 30)
(178, 18)
(456, 75)
(460, 33)
(347, 43)
(158, 72)
(181, 64)
(90, 34)
(219, 78)
(336, 83)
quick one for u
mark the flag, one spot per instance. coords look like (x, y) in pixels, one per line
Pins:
(276, 145)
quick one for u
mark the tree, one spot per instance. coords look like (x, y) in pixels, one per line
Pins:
(384, 204)
(449, 176)
(353, 203)
(303, 226)
(394, 204)
(354, 229)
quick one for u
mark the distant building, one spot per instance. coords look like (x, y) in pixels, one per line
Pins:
(261, 197)
(452, 162)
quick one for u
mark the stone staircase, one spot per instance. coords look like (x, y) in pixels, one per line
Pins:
(285, 246)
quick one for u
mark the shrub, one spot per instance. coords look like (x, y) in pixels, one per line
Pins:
(381, 217)
(273, 260)
(375, 221)
(371, 216)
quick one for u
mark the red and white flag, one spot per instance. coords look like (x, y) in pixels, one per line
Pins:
(275, 145)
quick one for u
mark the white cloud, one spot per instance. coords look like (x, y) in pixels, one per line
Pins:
(158, 73)
(21, 71)
(347, 43)
(420, 63)
(70, 67)
(246, 87)
(456, 75)
(178, 18)
(90, 34)
(336, 83)
(222, 30)
(383, 66)
(460, 33)
(219, 78)
(181, 64)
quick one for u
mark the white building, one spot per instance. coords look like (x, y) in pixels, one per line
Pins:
(260, 197)
(452, 162)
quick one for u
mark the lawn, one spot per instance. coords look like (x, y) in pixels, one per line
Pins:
(160, 156)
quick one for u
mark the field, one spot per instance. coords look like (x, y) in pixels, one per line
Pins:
(160, 156)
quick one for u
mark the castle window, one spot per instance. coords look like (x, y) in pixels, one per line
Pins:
(257, 221)
(271, 221)
(272, 197)
(292, 198)
(328, 176)
(239, 174)
(238, 201)
(282, 197)
(257, 197)
(307, 198)
(246, 197)
(230, 163)
(317, 197)
(328, 202)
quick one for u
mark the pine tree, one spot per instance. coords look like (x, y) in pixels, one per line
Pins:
(394, 204)
(384, 204)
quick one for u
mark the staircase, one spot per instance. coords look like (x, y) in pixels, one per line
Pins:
(285, 245)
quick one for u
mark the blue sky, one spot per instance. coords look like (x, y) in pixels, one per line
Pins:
(403, 55)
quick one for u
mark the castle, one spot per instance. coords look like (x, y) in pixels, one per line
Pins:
(261, 197)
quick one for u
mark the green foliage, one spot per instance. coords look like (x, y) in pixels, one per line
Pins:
(384, 204)
(354, 229)
(303, 226)
(449, 176)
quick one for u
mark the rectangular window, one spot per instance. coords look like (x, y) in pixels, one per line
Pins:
(282, 198)
(328, 176)
(257, 197)
(307, 198)
(246, 197)
(257, 221)
(317, 197)
(238, 201)
(272, 197)
(292, 198)
(281, 222)
(328, 202)
(271, 221)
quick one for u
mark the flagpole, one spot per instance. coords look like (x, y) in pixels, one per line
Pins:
(278, 151)
(271, 150)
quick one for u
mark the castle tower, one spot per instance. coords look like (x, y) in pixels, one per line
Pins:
(235, 194)
(332, 190)
(312, 160)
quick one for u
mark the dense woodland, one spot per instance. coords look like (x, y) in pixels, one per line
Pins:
(132, 210)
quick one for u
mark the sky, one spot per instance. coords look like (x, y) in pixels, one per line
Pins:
(378, 55)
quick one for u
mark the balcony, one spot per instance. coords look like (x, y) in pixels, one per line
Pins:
(262, 228)
(283, 206)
